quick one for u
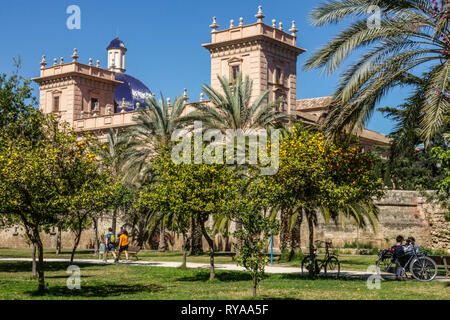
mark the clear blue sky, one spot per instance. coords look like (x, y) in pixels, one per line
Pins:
(163, 39)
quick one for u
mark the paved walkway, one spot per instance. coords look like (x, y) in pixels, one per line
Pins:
(228, 267)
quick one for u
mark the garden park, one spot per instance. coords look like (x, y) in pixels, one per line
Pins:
(56, 179)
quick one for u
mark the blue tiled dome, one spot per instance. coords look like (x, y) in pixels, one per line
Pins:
(133, 90)
(116, 44)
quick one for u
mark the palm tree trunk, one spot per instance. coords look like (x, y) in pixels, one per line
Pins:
(284, 229)
(295, 233)
(114, 221)
(162, 246)
(196, 237)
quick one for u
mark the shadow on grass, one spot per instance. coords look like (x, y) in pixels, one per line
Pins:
(25, 266)
(226, 276)
(101, 290)
(298, 276)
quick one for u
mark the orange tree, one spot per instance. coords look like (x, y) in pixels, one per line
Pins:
(185, 191)
(315, 176)
(46, 180)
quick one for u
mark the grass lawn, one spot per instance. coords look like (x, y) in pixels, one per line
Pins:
(347, 262)
(142, 282)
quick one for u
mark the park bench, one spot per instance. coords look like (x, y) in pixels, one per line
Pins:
(443, 263)
(133, 251)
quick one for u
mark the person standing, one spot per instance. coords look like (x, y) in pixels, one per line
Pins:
(110, 243)
(123, 244)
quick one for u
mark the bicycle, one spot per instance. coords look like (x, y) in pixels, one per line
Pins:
(421, 267)
(330, 263)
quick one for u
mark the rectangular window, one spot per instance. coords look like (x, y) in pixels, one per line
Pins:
(56, 104)
(234, 72)
(94, 102)
(278, 76)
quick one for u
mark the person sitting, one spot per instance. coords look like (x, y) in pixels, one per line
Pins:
(398, 249)
(411, 247)
(398, 252)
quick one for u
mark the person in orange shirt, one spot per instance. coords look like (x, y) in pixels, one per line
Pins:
(123, 244)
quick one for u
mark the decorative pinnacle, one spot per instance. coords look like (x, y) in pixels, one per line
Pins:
(55, 62)
(241, 22)
(260, 14)
(43, 62)
(293, 30)
(280, 26)
(231, 23)
(168, 102)
(61, 60)
(90, 61)
(123, 106)
(98, 64)
(75, 55)
(202, 97)
(185, 96)
(274, 23)
(214, 25)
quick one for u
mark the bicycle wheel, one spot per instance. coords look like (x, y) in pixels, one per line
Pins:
(423, 269)
(385, 265)
(307, 265)
(333, 266)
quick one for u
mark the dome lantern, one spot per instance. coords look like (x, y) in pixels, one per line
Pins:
(116, 56)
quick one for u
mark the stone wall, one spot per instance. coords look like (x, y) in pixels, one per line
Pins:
(401, 213)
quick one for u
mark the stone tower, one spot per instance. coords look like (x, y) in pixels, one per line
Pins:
(74, 91)
(267, 54)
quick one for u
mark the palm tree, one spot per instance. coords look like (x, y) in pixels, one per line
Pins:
(411, 35)
(155, 124)
(233, 109)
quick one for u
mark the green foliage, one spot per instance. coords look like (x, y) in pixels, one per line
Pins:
(252, 243)
(411, 35)
(339, 179)
(18, 115)
(53, 180)
(231, 108)
(443, 186)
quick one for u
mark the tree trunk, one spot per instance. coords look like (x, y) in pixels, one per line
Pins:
(114, 221)
(96, 242)
(211, 251)
(58, 241)
(254, 286)
(77, 241)
(33, 265)
(162, 246)
(40, 267)
(196, 237)
(310, 217)
(185, 244)
(284, 229)
(40, 263)
(295, 233)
